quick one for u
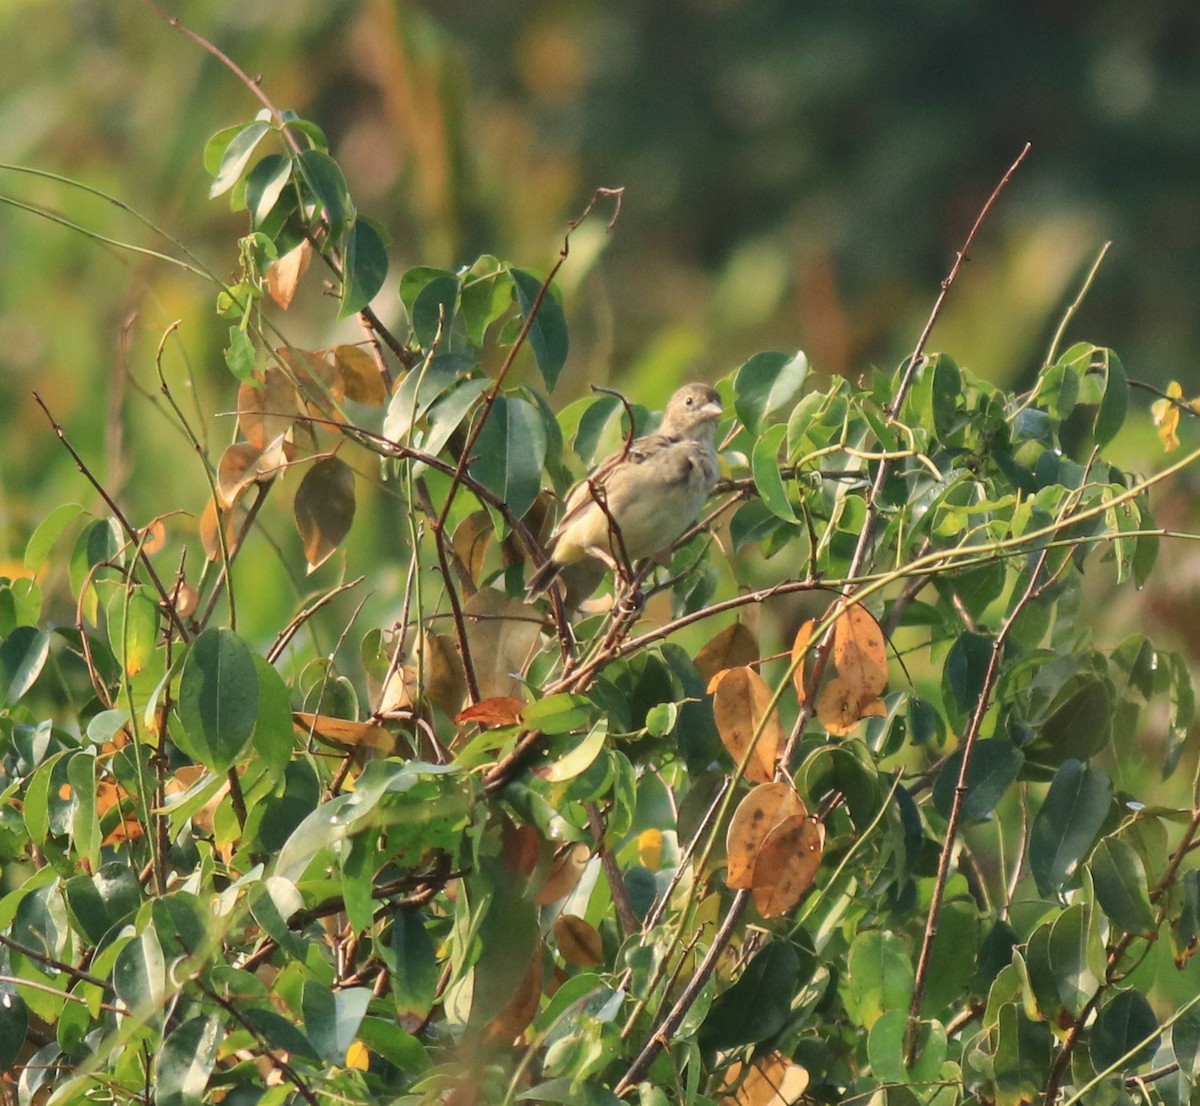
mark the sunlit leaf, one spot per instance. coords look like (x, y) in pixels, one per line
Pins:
(786, 864)
(548, 331)
(365, 265)
(284, 273)
(578, 942)
(757, 814)
(360, 375)
(218, 699)
(733, 647)
(740, 708)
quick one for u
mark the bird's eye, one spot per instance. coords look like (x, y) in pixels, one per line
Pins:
(689, 401)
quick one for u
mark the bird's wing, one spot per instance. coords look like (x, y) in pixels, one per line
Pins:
(580, 497)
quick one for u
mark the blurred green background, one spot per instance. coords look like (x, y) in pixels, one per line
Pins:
(796, 174)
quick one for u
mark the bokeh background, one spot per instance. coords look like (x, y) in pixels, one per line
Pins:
(796, 175)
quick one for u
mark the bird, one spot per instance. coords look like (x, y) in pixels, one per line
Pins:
(644, 496)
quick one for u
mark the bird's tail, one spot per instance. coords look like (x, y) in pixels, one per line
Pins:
(545, 575)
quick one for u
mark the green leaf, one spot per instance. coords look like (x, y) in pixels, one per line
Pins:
(140, 976)
(447, 414)
(1185, 1042)
(433, 311)
(879, 977)
(218, 700)
(767, 476)
(397, 1047)
(557, 714)
(1121, 888)
(133, 621)
(274, 738)
(508, 935)
(767, 383)
(1115, 401)
(236, 146)
(279, 1033)
(995, 765)
(487, 293)
(1022, 1061)
(265, 184)
(510, 452)
(240, 357)
(952, 957)
(332, 1018)
(48, 532)
(85, 824)
(1075, 952)
(14, 1024)
(22, 658)
(412, 962)
(569, 1092)
(548, 331)
(1067, 823)
(964, 675)
(364, 266)
(758, 1004)
(325, 181)
(185, 1061)
(1121, 1031)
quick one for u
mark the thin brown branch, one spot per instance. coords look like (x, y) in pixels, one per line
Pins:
(292, 628)
(626, 919)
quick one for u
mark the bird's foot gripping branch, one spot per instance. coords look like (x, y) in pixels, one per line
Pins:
(858, 802)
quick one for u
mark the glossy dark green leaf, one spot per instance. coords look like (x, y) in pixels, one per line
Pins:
(324, 180)
(768, 478)
(140, 975)
(397, 1047)
(22, 657)
(185, 1062)
(767, 383)
(548, 332)
(364, 264)
(1078, 729)
(1076, 957)
(332, 1018)
(757, 1006)
(412, 962)
(964, 674)
(218, 700)
(487, 292)
(1121, 888)
(1185, 1042)
(1115, 401)
(274, 738)
(433, 312)
(952, 957)
(995, 765)
(1125, 1033)
(569, 1092)
(510, 452)
(1071, 815)
(14, 1024)
(280, 1033)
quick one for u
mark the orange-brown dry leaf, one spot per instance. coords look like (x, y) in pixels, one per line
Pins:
(502, 710)
(877, 708)
(565, 872)
(799, 648)
(324, 509)
(341, 731)
(733, 647)
(236, 471)
(578, 942)
(740, 705)
(210, 536)
(773, 1081)
(471, 540)
(360, 376)
(284, 273)
(786, 864)
(187, 599)
(513, 1020)
(859, 652)
(156, 537)
(520, 847)
(268, 411)
(318, 383)
(839, 708)
(757, 814)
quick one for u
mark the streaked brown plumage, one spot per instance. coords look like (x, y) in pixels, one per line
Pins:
(641, 499)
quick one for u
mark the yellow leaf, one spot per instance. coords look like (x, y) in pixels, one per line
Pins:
(731, 648)
(284, 273)
(786, 864)
(360, 375)
(356, 1056)
(1165, 413)
(799, 648)
(859, 652)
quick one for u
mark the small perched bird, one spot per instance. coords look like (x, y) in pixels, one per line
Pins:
(644, 496)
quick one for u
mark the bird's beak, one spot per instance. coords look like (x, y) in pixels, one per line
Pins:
(711, 410)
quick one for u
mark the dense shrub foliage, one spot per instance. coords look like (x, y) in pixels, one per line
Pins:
(840, 802)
